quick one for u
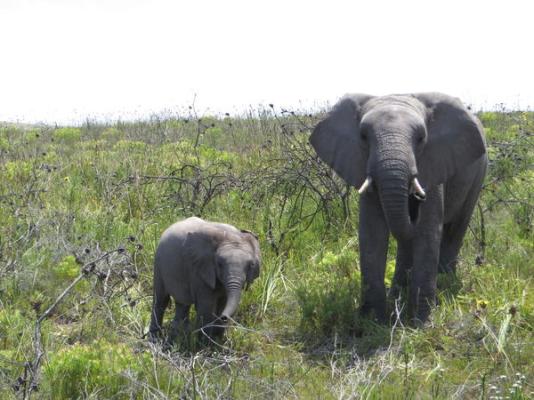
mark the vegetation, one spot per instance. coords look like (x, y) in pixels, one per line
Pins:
(82, 210)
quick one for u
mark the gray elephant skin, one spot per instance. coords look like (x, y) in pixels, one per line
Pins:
(206, 264)
(419, 161)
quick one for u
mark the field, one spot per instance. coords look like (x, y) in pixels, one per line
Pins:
(82, 209)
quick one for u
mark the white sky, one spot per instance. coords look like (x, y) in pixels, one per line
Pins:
(64, 60)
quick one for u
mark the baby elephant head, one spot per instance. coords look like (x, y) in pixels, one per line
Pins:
(236, 265)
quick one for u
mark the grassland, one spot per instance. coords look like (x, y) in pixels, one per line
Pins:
(87, 205)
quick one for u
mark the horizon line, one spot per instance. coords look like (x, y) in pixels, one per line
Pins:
(191, 112)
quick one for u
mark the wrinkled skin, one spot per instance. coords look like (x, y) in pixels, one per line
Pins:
(206, 264)
(391, 140)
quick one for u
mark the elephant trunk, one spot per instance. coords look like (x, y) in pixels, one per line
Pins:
(393, 184)
(233, 295)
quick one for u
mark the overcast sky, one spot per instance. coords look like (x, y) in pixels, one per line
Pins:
(65, 60)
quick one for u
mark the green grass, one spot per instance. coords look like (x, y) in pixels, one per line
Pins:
(68, 196)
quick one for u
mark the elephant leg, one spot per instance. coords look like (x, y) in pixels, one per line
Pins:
(159, 304)
(426, 246)
(373, 235)
(180, 323)
(206, 315)
(160, 301)
(456, 227)
(451, 243)
(403, 264)
(453, 236)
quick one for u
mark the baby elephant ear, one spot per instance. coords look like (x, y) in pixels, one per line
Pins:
(455, 139)
(250, 233)
(208, 274)
(202, 257)
(253, 272)
(336, 139)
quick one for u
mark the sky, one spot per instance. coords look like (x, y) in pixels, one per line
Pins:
(63, 61)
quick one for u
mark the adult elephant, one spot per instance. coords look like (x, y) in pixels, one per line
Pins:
(419, 161)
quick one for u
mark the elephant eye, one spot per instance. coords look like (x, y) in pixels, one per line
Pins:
(219, 262)
(420, 135)
(420, 139)
(363, 136)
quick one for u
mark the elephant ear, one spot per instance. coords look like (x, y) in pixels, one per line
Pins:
(255, 236)
(254, 270)
(455, 139)
(253, 273)
(201, 251)
(336, 139)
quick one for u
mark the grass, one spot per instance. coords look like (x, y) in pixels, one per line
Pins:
(69, 196)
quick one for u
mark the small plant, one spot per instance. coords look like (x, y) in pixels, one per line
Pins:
(509, 387)
(67, 268)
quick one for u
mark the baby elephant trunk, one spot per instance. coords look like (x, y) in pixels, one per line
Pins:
(233, 295)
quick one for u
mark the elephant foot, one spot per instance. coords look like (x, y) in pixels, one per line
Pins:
(215, 334)
(420, 311)
(442, 269)
(211, 333)
(447, 267)
(377, 314)
(449, 283)
(155, 336)
(396, 293)
(420, 323)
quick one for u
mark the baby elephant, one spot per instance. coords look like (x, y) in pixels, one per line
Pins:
(206, 264)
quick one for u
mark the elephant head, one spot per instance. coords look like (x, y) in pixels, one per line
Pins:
(399, 145)
(232, 259)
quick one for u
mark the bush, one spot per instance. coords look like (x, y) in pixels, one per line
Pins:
(12, 324)
(130, 145)
(4, 144)
(19, 170)
(112, 134)
(328, 295)
(80, 370)
(67, 135)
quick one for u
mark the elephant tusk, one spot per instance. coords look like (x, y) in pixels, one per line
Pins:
(365, 185)
(419, 192)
